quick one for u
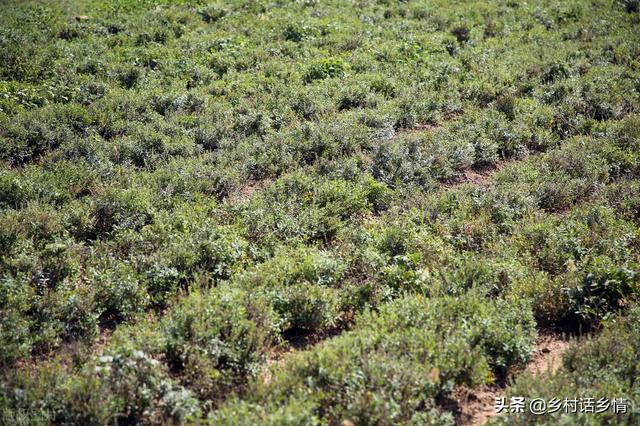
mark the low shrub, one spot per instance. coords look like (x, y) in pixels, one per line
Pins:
(397, 364)
(605, 289)
(215, 340)
(124, 386)
(303, 287)
(604, 366)
(325, 68)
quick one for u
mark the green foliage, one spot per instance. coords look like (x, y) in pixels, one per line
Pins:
(325, 68)
(302, 286)
(190, 189)
(216, 339)
(117, 210)
(123, 386)
(391, 367)
(605, 289)
(604, 366)
(37, 132)
(119, 292)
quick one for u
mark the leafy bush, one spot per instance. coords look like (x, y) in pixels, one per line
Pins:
(604, 290)
(120, 292)
(600, 367)
(393, 366)
(325, 68)
(123, 386)
(119, 209)
(302, 286)
(40, 131)
(216, 339)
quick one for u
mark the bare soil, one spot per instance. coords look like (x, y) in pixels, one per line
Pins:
(476, 406)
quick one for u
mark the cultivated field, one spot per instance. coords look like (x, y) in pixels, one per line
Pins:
(368, 212)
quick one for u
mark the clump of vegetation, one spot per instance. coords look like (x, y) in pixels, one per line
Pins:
(393, 365)
(601, 367)
(216, 340)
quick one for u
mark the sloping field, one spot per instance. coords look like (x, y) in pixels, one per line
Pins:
(319, 212)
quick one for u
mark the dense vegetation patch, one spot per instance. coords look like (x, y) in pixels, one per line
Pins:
(186, 185)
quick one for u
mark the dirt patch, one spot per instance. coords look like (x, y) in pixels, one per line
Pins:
(247, 190)
(476, 406)
(425, 127)
(471, 176)
(547, 357)
(474, 177)
(480, 176)
(429, 127)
